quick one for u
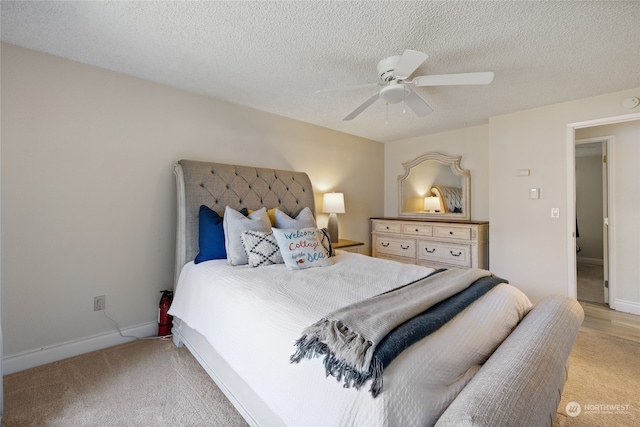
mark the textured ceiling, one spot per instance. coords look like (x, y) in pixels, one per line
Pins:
(273, 56)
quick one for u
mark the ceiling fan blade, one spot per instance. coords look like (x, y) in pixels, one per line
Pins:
(362, 107)
(408, 63)
(364, 86)
(417, 104)
(480, 78)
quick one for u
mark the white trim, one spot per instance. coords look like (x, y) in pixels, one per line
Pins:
(572, 275)
(612, 268)
(628, 306)
(32, 358)
(610, 273)
(604, 121)
(571, 204)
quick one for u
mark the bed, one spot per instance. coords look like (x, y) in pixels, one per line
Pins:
(499, 362)
(450, 198)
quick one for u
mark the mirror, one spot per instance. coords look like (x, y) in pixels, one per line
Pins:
(435, 186)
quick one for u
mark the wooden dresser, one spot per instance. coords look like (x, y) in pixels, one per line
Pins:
(436, 244)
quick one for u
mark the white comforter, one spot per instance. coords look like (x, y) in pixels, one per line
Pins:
(252, 317)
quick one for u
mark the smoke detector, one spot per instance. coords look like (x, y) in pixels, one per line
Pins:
(631, 102)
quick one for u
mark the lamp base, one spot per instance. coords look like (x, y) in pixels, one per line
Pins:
(332, 228)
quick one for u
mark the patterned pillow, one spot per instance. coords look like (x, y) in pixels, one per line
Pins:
(304, 219)
(301, 248)
(261, 248)
(325, 241)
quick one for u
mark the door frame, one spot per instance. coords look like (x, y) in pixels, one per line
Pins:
(608, 202)
(572, 279)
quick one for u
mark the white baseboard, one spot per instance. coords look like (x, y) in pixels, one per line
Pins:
(32, 358)
(627, 306)
(594, 261)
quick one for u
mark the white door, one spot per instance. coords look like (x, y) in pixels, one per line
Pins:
(605, 221)
(592, 207)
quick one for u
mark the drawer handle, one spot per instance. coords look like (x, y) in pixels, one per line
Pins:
(405, 247)
(387, 227)
(417, 230)
(430, 251)
(458, 254)
(451, 232)
(384, 245)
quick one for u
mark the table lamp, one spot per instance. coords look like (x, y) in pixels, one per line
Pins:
(333, 203)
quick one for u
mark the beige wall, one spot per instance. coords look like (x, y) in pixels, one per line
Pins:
(471, 143)
(527, 246)
(589, 212)
(88, 193)
(589, 207)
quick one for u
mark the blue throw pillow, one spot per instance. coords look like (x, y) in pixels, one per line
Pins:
(210, 236)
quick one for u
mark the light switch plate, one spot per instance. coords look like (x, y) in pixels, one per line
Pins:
(534, 193)
(555, 212)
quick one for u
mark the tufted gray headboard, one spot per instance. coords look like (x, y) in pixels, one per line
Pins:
(217, 185)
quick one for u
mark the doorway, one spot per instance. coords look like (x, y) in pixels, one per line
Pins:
(592, 207)
(623, 228)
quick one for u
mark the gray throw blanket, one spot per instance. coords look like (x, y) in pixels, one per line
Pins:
(349, 337)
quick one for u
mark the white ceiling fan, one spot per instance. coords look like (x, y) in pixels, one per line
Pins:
(394, 72)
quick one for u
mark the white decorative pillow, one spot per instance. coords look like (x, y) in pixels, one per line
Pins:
(234, 224)
(301, 248)
(304, 219)
(261, 248)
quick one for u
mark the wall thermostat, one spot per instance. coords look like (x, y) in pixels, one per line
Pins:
(631, 102)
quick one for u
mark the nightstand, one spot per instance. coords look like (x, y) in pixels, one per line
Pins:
(348, 245)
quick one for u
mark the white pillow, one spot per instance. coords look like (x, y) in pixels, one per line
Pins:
(304, 219)
(301, 249)
(234, 224)
(261, 248)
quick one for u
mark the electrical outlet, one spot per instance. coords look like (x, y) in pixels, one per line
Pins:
(99, 303)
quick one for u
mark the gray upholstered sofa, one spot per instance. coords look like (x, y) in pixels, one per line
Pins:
(521, 383)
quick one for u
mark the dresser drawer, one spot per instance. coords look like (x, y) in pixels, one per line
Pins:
(396, 246)
(453, 254)
(452, 232)
(387, 227)
(417, 229)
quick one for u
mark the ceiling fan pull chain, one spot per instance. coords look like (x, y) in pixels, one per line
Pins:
(386, 122)
(404, 101)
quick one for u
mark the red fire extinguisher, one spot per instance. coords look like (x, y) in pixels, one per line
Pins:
(164, 319)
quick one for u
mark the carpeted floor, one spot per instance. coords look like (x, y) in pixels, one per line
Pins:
(153, 383)
(604, 379)
(142, 383)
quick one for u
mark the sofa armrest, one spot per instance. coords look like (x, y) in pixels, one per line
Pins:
(521, 383)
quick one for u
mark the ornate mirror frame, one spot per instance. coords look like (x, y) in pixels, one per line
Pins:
(454, 164)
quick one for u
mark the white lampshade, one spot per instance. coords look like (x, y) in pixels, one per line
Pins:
(333, 203)
(431, 204)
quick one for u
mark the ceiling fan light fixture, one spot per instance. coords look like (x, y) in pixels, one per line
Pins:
(394, 93)
(394, 73)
